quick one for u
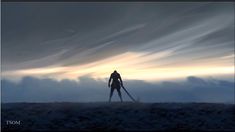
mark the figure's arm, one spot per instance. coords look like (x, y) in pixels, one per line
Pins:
(109, 80)
(120, 80)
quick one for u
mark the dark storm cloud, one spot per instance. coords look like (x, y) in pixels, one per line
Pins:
(193, 89)
(43, 34)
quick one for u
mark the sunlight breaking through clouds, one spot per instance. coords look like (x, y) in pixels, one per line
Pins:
(131, 65)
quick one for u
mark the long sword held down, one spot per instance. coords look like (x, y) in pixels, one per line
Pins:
(128, 94)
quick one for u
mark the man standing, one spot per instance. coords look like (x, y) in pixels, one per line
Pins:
(116, 84)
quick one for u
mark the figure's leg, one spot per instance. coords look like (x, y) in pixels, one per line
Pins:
(111, 94)
(119, 94)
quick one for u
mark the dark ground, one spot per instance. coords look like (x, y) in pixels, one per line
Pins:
(118, 116)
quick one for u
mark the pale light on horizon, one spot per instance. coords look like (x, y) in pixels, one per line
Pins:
(131, 65)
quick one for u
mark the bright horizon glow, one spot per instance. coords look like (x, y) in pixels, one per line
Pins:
(130, 65)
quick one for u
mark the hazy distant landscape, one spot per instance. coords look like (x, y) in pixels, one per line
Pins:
(119, 116)
(191, 89)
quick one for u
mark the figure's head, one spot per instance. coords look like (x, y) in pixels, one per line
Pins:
(115, 71)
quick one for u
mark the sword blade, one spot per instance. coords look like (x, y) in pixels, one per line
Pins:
(128, 94)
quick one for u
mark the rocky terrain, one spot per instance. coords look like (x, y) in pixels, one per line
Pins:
(117, 116)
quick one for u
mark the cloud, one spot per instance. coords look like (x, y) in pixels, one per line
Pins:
(42, 35)
(86, 89)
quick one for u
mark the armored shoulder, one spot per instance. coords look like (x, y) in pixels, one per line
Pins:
(118, 75)
(112, 75)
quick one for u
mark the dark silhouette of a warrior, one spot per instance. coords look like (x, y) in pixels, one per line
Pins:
(116, 84)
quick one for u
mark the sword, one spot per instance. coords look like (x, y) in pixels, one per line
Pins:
(128, 94)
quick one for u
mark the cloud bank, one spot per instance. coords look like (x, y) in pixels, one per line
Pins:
(193, 89)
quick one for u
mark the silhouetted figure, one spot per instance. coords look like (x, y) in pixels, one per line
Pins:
(116, 84)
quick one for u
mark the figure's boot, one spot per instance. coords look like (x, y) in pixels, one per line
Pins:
(120, 97)
(110, 96)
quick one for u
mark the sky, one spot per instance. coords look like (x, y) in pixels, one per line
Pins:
(67, 51)
(144, 41)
